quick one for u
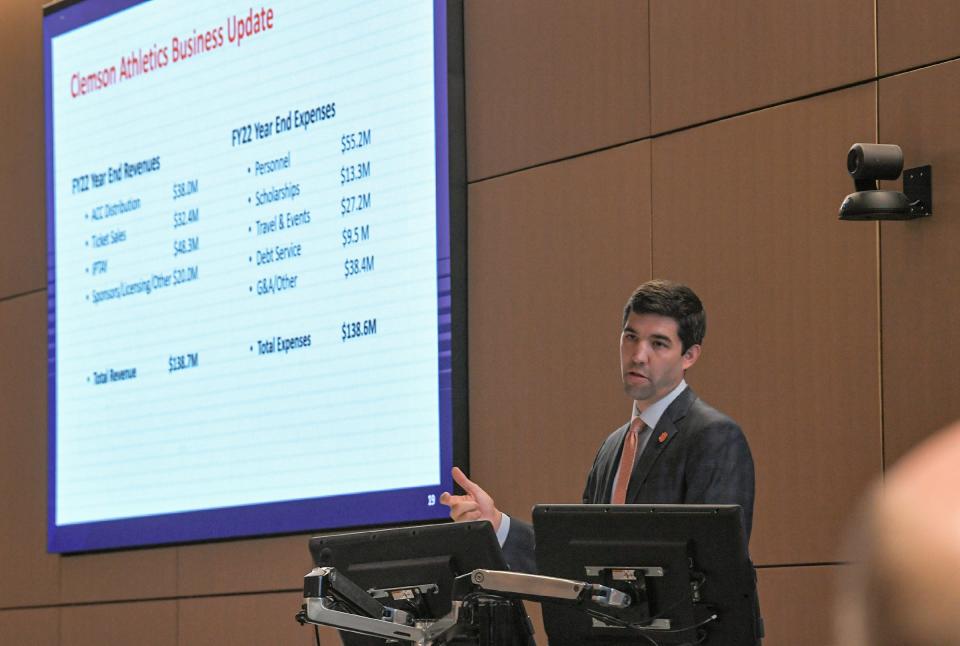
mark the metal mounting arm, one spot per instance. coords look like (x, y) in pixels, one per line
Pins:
(540, 588)
(333, 600)
(325, 587)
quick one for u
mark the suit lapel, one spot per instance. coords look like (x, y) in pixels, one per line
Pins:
(667, 429)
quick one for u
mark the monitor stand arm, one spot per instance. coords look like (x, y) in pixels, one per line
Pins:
(333, 600)
(318, 611)
(533, 587)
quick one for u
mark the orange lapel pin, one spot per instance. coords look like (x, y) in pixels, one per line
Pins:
(663, 436)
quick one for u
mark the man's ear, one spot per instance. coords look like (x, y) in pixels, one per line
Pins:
(690, 356)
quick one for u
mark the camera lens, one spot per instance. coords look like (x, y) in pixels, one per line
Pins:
(854, 159)
(875, 161)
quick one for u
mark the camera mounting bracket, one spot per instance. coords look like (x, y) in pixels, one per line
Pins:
(918, 187)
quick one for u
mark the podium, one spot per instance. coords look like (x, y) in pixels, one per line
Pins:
(623, 574)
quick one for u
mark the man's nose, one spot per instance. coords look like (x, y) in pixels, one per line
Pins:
(640, 353)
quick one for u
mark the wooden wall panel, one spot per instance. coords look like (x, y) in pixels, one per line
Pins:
(30, 575)
(554, 254)
(114, 576)
(793, 346)
(146, 623)
(797, 604)
(916, 32)
(745, 211)
(23, 265)
(552, 78)
(246, 620)
(39, 627)
(920, 263)
(711, 58)
(257, 565)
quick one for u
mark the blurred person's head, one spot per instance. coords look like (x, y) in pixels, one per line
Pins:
(904, 586)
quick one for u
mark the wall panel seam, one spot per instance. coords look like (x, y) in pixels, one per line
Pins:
(883, 430)
(782, 566)
(650, 207)
(11, 297)
(879, 256)
(650, 128)
(876, 38)
(186, 597)
(649, 68)
(699, 124)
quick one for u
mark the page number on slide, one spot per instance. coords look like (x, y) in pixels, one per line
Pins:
(431, 500)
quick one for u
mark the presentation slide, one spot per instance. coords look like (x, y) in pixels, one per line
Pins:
(249, 268)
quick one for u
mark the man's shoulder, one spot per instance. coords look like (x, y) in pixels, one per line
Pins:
(702, 423)
(710, 429)
(702, 414)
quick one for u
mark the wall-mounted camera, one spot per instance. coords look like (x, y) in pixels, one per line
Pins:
(868, 163)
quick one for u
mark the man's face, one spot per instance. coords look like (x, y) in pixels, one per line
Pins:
(652, 360)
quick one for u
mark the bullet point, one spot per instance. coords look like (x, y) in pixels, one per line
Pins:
(87, 297)
(251, 348)
(86, 243)
(88, 380)
(248, 169)
(248, 200)
(86, 269)
(251, 288)
(249, 229)
(249, 258)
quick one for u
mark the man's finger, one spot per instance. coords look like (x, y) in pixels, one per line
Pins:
(465, 512)
(468, 485)
(459, 507)
(449, 499)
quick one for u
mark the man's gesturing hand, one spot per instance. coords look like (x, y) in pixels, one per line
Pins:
(475, 505)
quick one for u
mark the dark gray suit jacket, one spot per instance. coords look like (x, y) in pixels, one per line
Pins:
(703, 458)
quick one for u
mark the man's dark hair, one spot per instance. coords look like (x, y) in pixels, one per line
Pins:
(674, 300)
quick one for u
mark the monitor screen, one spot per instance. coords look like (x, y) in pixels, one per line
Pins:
(685, 567)
(410, 568)
(256, 260)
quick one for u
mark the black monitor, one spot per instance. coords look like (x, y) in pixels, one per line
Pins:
(681, 564)
(411, 568)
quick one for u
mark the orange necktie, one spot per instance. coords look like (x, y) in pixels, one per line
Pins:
(627, 456)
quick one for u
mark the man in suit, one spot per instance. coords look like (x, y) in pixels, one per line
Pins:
(675, 449)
